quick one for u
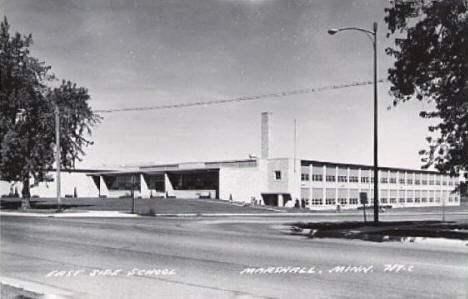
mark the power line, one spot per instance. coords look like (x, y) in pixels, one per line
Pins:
(241, 99)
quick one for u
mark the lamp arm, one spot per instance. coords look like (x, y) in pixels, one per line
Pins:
(371, 35)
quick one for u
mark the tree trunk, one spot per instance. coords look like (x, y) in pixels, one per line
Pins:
(26, 195)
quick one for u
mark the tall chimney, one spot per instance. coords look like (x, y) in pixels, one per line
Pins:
(266, 135)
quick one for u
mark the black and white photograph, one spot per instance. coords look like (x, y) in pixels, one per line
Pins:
(233, 149)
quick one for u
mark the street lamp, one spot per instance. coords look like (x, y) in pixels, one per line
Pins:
(372, 35)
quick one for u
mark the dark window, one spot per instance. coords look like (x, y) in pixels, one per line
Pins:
(330, 178)
(330, 201)
(277, 175)
(317, 177)
(353, 201)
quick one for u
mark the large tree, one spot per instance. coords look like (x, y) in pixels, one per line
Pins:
(27, 105)
(431, 64)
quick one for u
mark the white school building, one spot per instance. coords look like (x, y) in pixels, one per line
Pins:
(264, 180)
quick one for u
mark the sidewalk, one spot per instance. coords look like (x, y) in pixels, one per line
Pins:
(80, 214)
(121, 214)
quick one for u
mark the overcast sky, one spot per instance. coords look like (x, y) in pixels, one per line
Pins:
(145, 53)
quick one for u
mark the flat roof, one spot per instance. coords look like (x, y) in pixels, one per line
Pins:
(370, 167)
(152, 172)
(207, 165)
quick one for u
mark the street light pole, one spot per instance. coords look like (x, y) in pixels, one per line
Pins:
(376, 167)
(373, 37)
(57, 154)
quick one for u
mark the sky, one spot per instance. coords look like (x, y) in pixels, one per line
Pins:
(148, 53)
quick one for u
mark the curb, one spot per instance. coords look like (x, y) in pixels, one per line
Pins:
(44, 291)
(86, 214)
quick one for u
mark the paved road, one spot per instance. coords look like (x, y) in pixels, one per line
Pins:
(205, 258)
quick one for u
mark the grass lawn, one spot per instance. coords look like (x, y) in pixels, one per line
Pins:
(142, 206)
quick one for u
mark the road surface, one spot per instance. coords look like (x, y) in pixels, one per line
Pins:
(215, 257)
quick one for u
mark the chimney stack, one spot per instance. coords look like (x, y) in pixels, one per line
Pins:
(266, 135)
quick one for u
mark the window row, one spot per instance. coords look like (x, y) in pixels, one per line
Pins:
(383, 180)
(355, 201)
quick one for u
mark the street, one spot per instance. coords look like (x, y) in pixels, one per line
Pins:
(211, 257)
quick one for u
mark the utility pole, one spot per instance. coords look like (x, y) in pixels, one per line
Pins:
(443, 208)
(57, 154)
(295, 144)
(133, 194)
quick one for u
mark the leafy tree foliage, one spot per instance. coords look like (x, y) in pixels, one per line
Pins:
(431, 53)
(27, 123)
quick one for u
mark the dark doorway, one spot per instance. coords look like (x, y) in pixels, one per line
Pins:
(270, 199)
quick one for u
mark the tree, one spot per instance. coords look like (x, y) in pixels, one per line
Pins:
(431, 64)
(27, 103)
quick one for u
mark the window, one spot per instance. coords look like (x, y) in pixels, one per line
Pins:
(305, 177)
(317, 177)
(417, 199)
(424, 182)
(317, 195)
(431, 182)
(431, 199)
(372, 179)
(392, 200)
(342, 201)
(364, 179)
(401, 200)
(330, 201)
(392, 180)
(409, 181)
(402, 181)
(353, 201)
(417, 182)
(409, 200)
(330, 178)
(383, 200)
(277, 175)
(384, 180)
(353, 179)
(317, 201)
(342, 178)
